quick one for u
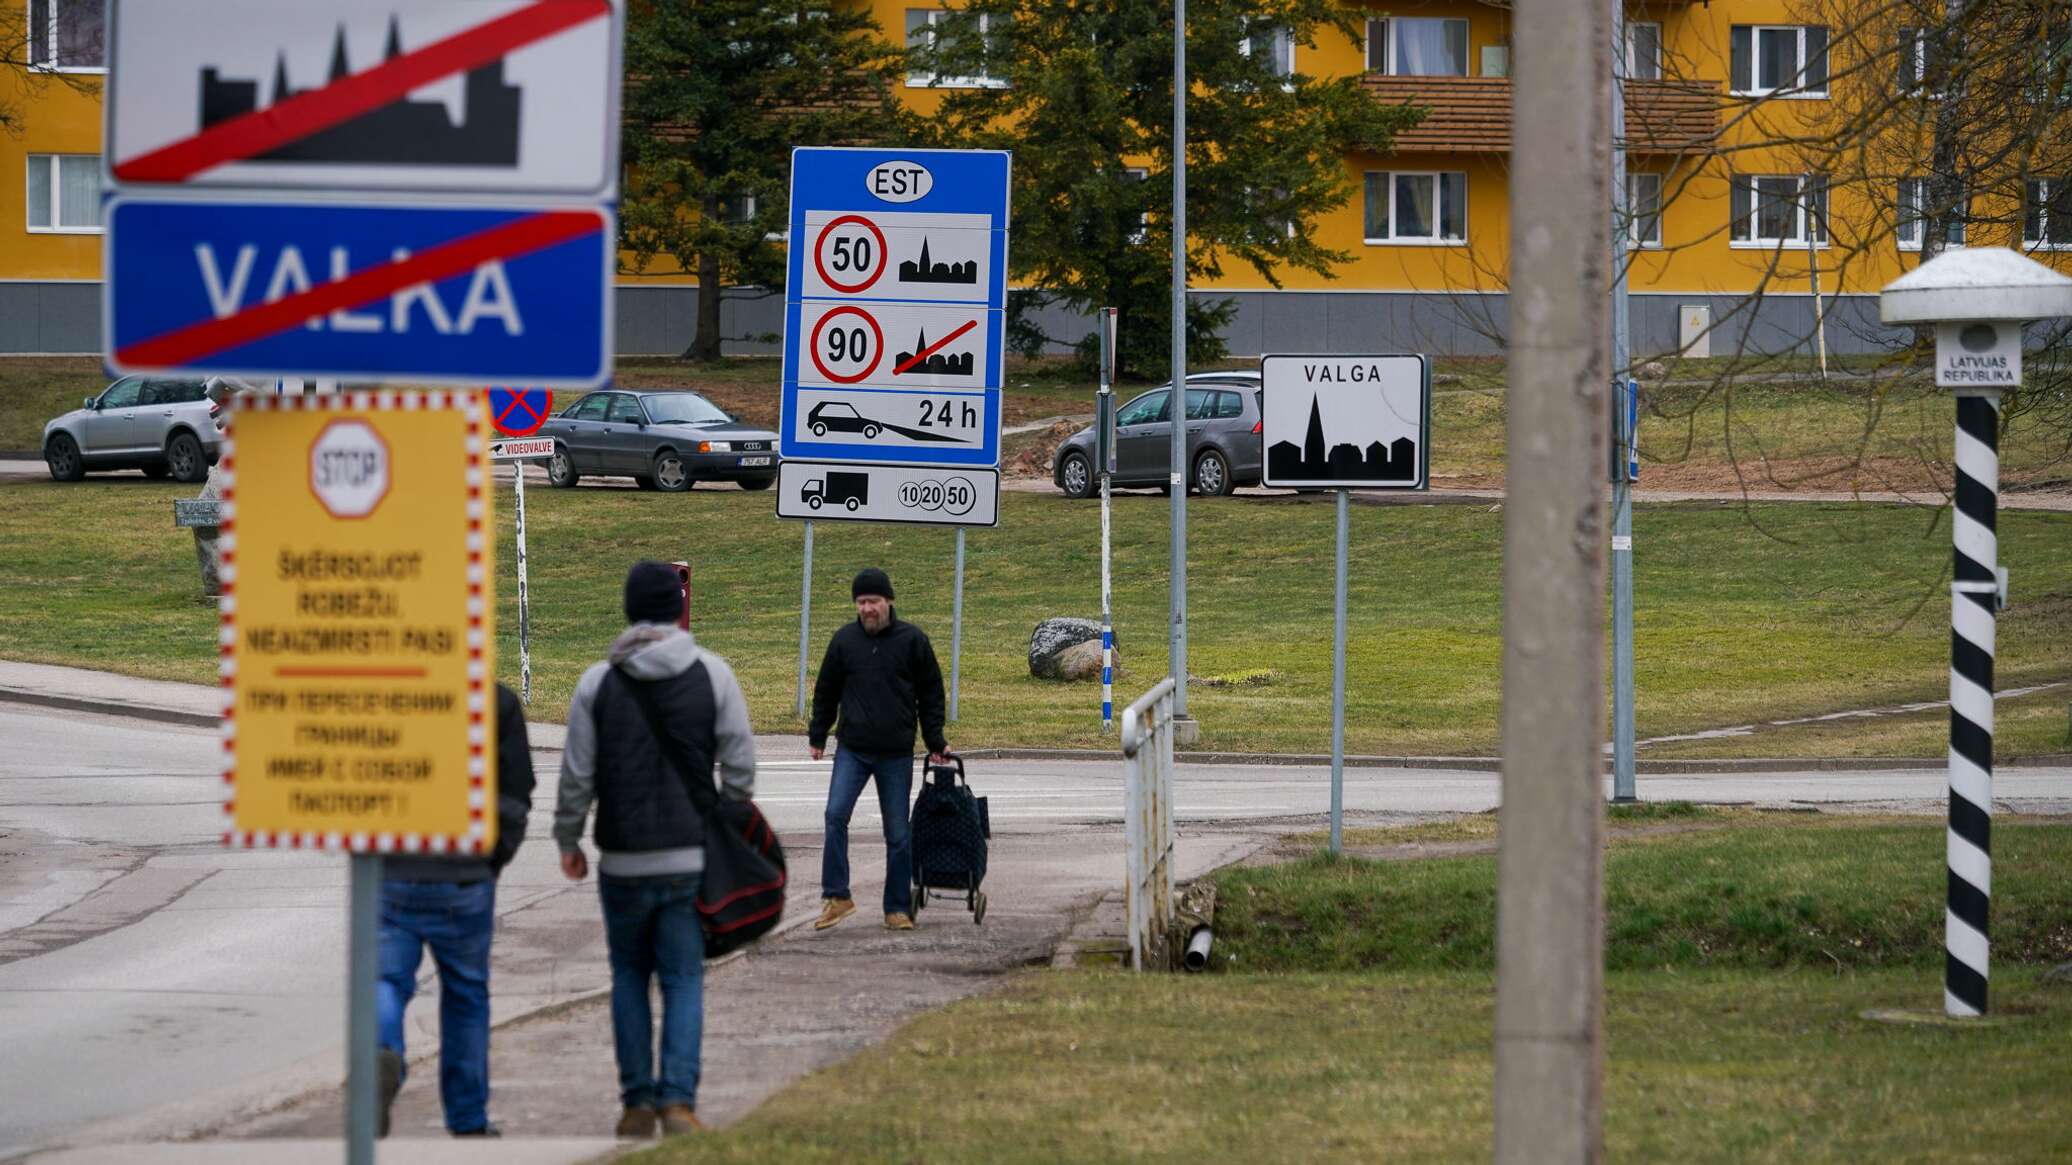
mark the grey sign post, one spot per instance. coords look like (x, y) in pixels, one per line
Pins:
(1625, 470)
(1344, 423)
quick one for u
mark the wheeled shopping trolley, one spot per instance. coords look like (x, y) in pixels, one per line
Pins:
(950, 828)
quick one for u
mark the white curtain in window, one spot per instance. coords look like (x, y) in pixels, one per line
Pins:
(1430, 48)
(79, 191)
(1414, 206)
(39, 191)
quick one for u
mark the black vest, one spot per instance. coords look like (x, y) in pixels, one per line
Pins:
(641, 802)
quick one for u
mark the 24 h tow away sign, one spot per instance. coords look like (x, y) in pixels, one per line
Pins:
(357, 642)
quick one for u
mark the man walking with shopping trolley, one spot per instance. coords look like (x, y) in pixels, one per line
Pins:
(878, 678)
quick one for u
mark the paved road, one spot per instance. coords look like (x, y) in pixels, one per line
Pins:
(143, 966)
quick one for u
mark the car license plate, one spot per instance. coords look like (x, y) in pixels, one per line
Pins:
(747, 462)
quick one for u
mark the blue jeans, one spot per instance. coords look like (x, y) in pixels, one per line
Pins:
(456, 920)
(895, 780)
(651, 928)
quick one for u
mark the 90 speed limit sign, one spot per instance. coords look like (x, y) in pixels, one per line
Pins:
(846, 345)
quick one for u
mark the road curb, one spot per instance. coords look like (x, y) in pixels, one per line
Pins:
(1477, 764)
(110, 708)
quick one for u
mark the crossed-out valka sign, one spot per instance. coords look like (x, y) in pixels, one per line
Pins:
(455, 95)
(358, 640)
(263, 157)
(894, 328)
(1346, 422)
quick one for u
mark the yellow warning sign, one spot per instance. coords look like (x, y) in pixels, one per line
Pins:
(358, 645)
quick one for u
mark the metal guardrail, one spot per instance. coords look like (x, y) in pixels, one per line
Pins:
(1147, 752)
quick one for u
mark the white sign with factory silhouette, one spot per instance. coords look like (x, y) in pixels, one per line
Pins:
(1346, 422)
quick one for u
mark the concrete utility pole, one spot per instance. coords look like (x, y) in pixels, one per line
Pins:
(1550, 866)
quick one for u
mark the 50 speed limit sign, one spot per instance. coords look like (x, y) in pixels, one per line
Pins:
(850, 253)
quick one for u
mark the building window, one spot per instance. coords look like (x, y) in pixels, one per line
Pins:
(1143, 228)
(1644, 210)
(1775, 209)
(737, 208)
(1915, 213)
(1643, 51)
(1405, 46)
(67, 34)
(1416, 208)
(65, 193)
(1919, 59)
(1275, 46)
(2047, 214)
(921, 37)
(1787, 60)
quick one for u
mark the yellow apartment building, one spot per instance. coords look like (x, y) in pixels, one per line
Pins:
(1732, 229)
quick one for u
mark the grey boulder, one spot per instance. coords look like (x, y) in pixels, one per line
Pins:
(1066, 648)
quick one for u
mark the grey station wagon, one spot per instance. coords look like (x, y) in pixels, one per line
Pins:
(662, 440)
(1223, 443)
(163, 427)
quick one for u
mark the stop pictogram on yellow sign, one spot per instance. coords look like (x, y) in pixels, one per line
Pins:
(357, 644)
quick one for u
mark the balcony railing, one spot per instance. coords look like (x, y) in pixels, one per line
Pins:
(1473, 114)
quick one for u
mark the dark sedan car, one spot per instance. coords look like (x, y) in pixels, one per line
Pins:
(662, 440)
(1223, 445)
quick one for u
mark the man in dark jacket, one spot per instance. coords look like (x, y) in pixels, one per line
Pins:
(650, 837)
(879, 675)
(449, 905)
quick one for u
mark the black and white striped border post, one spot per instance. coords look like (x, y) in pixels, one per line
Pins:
(1973, 599)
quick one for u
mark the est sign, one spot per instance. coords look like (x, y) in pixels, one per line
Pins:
(357, 646)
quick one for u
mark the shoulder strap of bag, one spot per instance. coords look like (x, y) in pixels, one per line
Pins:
(703, 799)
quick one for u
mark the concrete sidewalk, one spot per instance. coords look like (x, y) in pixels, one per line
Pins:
(543, 1151)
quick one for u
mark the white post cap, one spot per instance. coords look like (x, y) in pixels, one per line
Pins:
(1976, 283)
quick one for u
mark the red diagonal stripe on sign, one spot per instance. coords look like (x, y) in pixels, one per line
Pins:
(932, 349)
(255, 133)
(534, 232)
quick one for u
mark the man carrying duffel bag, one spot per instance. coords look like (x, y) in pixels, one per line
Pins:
(652, 831)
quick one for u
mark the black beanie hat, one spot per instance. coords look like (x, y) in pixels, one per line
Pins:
(871, 581)
(654, 593)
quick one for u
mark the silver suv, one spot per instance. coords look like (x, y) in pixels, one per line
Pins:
(166, 428)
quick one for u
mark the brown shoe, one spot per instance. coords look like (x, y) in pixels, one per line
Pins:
(678, 1119)
(898, 921)
(636, 1124)
(833, 910)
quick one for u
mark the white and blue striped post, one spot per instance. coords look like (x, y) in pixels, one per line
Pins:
(1104, 452)
(1974, 596)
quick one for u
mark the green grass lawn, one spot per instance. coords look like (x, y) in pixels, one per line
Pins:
(1724, 1055)
(1742, 615)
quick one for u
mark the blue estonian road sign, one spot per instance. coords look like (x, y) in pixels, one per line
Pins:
(434, 293)
(895, 307)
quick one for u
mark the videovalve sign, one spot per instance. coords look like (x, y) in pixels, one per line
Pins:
(358, 640)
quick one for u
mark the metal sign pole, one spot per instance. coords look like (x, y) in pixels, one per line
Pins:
(1338, 686)
(363, 967)
(1623, 786)
(524, 598)
(957, 626)
(1176, 404)
(805, 617)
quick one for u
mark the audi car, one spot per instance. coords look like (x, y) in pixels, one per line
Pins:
(666, 440)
